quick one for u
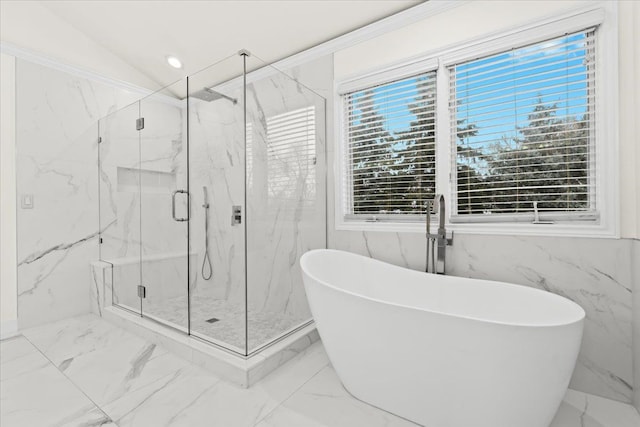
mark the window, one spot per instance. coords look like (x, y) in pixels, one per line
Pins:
(523, 126)
(390, 148)
(516, 130)
(286, 143)
(291, 156)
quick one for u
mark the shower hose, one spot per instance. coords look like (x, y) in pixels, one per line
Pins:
(207, 271)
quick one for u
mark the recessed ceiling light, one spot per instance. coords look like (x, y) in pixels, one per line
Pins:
(174, 62)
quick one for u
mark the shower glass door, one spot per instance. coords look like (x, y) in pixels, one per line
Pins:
(119, 188)
(164, 207)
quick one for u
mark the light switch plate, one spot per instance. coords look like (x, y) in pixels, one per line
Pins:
(26, 201)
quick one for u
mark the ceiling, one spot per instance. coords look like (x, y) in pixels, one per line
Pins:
(140, 34)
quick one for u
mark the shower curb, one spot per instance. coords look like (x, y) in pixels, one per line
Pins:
(243, 371)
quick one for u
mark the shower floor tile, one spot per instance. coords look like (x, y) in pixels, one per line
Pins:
(264, 325)
(87, 372)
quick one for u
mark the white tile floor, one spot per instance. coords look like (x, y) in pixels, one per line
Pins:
(86, 372)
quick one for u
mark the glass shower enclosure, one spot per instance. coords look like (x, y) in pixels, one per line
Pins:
(210, 191)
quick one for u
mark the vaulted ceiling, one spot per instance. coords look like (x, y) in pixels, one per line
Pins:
(129, 40)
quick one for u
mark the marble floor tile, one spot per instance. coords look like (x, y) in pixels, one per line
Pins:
(584, 410)
(93, 418)
(102, 360)
(199, 399)
(108, 374)
(164, 402)
(14, 348)
(86, 372)
(323, 402)
(75, 336)
(33, 393)
(25, 364)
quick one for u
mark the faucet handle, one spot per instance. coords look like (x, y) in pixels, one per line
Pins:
(428, 206)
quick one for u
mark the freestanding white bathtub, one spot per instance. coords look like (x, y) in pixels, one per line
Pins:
(443, 351)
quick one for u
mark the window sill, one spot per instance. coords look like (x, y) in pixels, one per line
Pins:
(558, 229)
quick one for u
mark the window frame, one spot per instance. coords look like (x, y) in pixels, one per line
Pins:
(606, 128)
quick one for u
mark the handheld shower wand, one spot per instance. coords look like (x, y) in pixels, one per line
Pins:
(207, 271)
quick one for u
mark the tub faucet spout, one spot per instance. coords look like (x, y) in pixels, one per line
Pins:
(442, 240)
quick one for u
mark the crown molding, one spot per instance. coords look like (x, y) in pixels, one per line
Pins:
(50, 62)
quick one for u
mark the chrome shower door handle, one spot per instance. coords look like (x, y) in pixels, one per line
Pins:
(173, 205)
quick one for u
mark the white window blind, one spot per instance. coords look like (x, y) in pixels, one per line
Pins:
(291, 156)
(390, 148)
(523, 130)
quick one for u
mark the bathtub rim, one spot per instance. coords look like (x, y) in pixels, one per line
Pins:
(303, 260)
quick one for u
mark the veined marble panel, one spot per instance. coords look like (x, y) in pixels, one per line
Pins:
(154, 161)
(286, 191)
(101, 291)
(140, 171)
(595, 273)
(34, 393)
(217, 167)
(635, 274)
(133, 382)
(56, 132)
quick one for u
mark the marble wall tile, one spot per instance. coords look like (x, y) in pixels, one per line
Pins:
(216, 150)
(279, 229)
(101, 291)
(286, 191)
(139, 171)
(75, 180)
(596, 273)
(635, 274)
(56, 133)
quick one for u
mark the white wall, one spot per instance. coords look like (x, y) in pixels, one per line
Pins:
(596, 273)
(630, 161)
(629, 39)
(69, 45)
(8, 304)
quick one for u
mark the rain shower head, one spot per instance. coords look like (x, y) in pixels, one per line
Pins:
(208, 94)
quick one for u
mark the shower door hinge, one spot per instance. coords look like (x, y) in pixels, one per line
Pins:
(142, 291)
(100, 240)
(140, 123)
(236, 215)
(99, 139)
